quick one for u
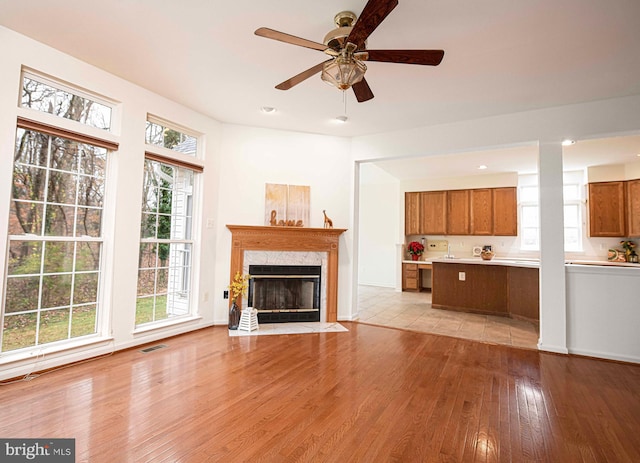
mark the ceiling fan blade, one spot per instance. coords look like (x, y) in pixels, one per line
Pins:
(372, 15)
(362, 91)
(288, 38)
(426, 57)
(304, 75)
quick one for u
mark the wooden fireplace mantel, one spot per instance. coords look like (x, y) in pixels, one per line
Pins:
(259, 238)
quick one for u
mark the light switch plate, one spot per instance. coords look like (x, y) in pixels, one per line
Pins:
(462, 276)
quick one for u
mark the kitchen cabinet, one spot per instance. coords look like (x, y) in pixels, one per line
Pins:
(412, 275)
(607, 212)
(433, 212)
(505, 212)
(412, 213)
(458, 212)
(481, 211)
(633, 207)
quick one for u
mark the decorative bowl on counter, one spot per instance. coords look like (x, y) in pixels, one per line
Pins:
(487, 255)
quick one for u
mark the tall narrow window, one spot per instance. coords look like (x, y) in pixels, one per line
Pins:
(164, 275)
(55, 240)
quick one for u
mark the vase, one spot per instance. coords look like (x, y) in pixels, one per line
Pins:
(234, 316)
(415, 257)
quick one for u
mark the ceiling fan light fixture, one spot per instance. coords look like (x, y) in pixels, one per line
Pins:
(343, 72)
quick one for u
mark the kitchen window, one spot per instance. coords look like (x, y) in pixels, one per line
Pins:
(529, 213)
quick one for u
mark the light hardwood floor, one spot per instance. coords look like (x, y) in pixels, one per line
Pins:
(413, 311)
(372, 394)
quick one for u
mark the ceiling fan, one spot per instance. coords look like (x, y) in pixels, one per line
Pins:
(346, 45)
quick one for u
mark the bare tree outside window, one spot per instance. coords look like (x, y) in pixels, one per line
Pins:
(55, 240)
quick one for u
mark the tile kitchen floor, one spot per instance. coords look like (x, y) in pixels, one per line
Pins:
(413, 311)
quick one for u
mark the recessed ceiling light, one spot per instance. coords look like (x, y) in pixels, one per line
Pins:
(342, 119)
(568, 142)
(482, 167)
(268, 109)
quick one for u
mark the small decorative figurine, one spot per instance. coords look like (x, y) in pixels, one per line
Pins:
(328, 223)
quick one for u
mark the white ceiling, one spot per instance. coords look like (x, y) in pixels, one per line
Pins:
(501, 56)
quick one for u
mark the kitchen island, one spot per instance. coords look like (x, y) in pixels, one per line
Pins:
(505, 287)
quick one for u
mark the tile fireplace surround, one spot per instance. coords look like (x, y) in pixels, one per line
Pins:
(290, 245)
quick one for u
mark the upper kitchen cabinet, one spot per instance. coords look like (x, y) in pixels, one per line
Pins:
(481, 211)
(505, 212)
(607, 214)
(412, 213)
(458, 212)
(433, 212)
(633, 207)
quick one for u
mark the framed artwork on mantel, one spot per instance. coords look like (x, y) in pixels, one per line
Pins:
(286, 205)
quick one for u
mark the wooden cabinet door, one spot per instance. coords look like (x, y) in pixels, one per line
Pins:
(433, 209)
(633, 208)
(412, 213)
(505, 212)
(481, 211)
(458, 212)
(607, 209)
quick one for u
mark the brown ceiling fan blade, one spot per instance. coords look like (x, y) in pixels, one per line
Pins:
(362, 91)
(426, 57)
(288, 38)
(304, 75)
(372, 15)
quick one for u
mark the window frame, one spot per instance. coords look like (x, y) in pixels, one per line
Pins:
(43, 239)
(177, 160)
(569, 180)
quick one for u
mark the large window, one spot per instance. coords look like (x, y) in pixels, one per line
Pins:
(529, 212)
(55, 240)
(164, 275)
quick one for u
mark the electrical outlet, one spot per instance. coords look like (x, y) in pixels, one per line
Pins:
(225, 295)
(206, 296)
(437, 245)
(462, 276)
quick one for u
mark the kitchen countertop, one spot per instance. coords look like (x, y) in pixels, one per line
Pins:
(517, 262)
(512, 262)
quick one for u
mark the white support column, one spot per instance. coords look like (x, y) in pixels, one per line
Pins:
(553, 307)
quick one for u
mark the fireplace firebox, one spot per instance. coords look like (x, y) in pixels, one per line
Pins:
(285, 293)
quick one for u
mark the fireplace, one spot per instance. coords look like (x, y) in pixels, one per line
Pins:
(309, 246)
(285, 293)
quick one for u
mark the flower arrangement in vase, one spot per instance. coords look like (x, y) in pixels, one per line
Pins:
(629, 251)
(238, 287)
(415, 249)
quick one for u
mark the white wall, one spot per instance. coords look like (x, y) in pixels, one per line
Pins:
(379, 213)
(252, 157)
(602, 312)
